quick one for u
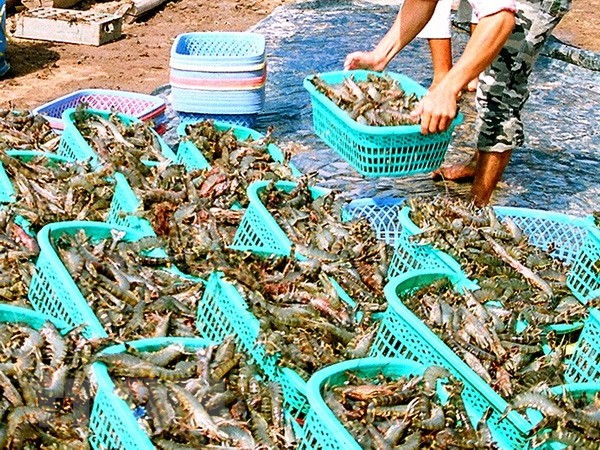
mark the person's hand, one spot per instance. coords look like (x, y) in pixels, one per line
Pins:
(437, 110)
(363, 60)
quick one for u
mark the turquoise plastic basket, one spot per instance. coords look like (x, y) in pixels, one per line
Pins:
(52, 289)
(7, 193)
(377, 151)
(259, 232)
(112, 423)
(583, 366)
(189, 155)
(124, 207)
(402, 334)
(323, 429)
(223, 312)
(575, 240)
(74, 146)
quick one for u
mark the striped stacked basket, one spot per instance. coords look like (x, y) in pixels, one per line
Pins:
(218, 75)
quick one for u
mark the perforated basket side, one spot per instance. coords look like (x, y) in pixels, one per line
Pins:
(377, 151)
(259, 232)
(323, 429)
(410, 256)
(7, 193)
(124, 206)
(217, 51)
(402, 334)
(382, 214)
(112, 423)
(584, 363)
(584, 276)
(53, 291)
(572, 239)
(243, 120)
(223, 312)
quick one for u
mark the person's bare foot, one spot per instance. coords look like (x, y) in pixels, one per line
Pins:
(457, 172)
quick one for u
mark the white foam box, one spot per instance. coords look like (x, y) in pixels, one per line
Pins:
(68, 25)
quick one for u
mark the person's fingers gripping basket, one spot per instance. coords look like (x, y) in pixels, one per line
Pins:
(141, 106)
(377, 151)
(402, 334)
(223, 312)
(323, 430)
(112, 422)
(53, 291)
(191, 156)
(74, 146)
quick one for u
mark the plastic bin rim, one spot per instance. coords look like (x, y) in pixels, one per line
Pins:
(159, 102)
(370, 129)
(320, 377)
(35, 153)
(30, 316)
(590, 386)
(258, 37)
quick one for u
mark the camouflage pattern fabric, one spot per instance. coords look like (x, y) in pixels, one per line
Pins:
(503, 89)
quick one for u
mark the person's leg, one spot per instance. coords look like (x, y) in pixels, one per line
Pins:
(441, 58)
(503, 91)
(489, 169)
(437, 32)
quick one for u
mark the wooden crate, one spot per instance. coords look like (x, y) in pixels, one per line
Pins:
(68, 25)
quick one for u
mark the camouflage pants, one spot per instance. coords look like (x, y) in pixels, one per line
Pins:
(503, 89)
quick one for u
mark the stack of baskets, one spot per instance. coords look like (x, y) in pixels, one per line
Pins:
(218, 75)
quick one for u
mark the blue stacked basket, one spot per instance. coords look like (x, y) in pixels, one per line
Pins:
(218, 75)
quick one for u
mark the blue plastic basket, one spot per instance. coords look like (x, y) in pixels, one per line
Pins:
(248, 101)
(218, 51)
(377, 151)
(259, 232)
(142, 106)
(223, 312)
(402, 334)
(74, 146)
(112, 423)
(323, 430)
(575, 240)
(189, 155)
(382, 214)
(7, 193)
(53, 291)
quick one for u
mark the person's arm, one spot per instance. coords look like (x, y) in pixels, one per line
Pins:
(412, 17)
(438, 107)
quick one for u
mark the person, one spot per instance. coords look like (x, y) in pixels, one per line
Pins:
(505, 45)
(438, 34)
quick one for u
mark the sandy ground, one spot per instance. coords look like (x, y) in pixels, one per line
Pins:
(139, 61)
